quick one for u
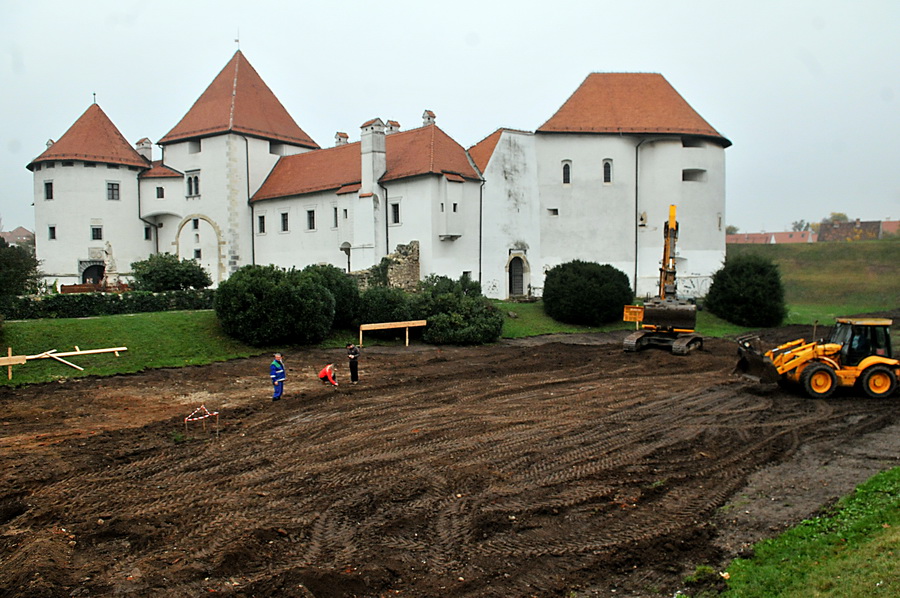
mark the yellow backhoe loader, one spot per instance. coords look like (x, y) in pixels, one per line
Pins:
(664, 320)
(858, 353)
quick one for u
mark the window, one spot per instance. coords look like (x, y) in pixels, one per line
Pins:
(96, 233)
(113, 166)
(284, 222)
(607, 171)
(193, 184)
(195, 224)
(567, 173)
(310, 220)
(51, 233)
(147, 233)
(691, 142)
(112, 191)
(194, 146)
(693, 174)
(68, 163)
(345, 213)
(335, 218)
(160, 193)
(48, 189)
(553, 211)
(261, 225)
(455, 208)
(395, 213)
(90, 165)
(197, 254)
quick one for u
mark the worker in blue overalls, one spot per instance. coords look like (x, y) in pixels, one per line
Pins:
(276, 372)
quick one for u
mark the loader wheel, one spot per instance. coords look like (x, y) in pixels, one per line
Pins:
(819, 381)
(879, 382)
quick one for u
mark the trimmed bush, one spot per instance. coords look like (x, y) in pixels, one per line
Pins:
(85, 305)
(747, 291)
(585, 293)
(384, 304)
(165, 272)
(456, 311)
(344, 289)
(266, 305)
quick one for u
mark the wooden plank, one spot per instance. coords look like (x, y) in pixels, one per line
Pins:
(386, 325)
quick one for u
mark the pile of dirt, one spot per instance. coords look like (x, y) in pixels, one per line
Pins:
(531, 468)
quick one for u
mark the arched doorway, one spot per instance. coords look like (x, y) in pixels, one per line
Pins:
(516, 276)
(93, 274)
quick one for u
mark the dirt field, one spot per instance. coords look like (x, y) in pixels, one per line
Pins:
(530, 468)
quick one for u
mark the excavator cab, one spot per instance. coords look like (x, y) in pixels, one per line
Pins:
(860, 339)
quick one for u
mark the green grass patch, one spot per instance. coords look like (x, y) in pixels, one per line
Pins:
(851, 550)
(153, 340)
(528, 319)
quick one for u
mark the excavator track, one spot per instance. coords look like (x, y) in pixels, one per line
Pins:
(686, 343)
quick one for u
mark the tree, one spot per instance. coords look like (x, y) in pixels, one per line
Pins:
(456, 311)
(731, 230)
(266, 306)
(586, 293)
(165, 272)
(800, 225)
(19, 270)
(747, 291)
(344, 289)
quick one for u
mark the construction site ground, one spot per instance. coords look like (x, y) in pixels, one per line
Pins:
(552, 466)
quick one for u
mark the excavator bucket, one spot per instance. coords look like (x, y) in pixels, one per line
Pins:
(670, 314)
(752, 362)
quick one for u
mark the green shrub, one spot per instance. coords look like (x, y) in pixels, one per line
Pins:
(266, 305)
(383, 304)
(456, 311)
(585, 293)
(747, 291)
(85, 305)
(19, 270)
(165, 272)
(344, 289)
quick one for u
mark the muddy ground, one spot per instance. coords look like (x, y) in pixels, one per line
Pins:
(558, 466)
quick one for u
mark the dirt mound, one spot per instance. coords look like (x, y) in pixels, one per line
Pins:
(529, 468)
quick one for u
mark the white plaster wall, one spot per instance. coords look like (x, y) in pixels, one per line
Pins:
(79, 201)
(511, 205)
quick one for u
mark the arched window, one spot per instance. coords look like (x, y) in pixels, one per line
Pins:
(190, 185)
(516, 277)
(607, 171)
(567, 172)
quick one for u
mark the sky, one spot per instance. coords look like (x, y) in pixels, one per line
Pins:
(808, 92)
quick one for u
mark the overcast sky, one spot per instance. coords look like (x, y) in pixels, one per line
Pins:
(807, 91)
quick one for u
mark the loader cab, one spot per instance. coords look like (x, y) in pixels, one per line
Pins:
(860, 338)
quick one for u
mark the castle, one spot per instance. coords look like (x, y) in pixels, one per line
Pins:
(239, 182)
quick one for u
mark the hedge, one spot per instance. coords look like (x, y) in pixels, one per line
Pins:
(83, 305)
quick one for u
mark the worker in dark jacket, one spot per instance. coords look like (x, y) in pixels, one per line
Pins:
(353, 358)
(276, 372)
(327, 374)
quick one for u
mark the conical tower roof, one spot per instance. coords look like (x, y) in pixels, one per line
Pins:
(93, 138)
(239, 101)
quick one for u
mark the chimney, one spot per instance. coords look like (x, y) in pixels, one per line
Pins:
(49, 143)
(341, 138)
(145, 148)
(372, 155)
(392, 127)
(427, 118)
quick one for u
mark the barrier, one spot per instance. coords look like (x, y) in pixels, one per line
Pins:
(201, 413)
(389, 325)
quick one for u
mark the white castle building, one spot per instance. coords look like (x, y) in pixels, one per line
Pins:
(239, 182)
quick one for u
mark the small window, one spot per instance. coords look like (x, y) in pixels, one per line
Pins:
(345, 213)
(395, 213)
(68, 163)
(455, 208)
(194, 146)
(96, 233)
(261, 225)
(691, 142)
(50, 165)
(148, 234)
(193, 184)
(442, 206)
(566, 173)
(51, 233)
(160, 193)
(607, 171)
(697, 175)
(112, 191)
(195, 224)
(335, 218)
(90, 165)
(113, 166)
(310, 220)
(198, 254)
(48, 189)
(284, 222)
(553, 211)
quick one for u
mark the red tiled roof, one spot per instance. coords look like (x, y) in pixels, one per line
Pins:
(93, 138)
(482, 151)
(747, 238)
(239, 101)
(628, 103)
(426, 150)
(160, 171)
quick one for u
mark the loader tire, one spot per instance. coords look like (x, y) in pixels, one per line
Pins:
(819, 381)
(879, 382)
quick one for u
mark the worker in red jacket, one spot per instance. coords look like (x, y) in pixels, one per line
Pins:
(327, 374)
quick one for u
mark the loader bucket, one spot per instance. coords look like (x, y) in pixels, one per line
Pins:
(752, 362)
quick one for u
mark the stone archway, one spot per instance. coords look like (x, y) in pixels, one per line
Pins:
(518, 275)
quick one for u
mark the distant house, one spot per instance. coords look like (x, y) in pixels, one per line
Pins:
(850, 231)
(890, 227)
(749, 239)
(800, 236)
(18, 236)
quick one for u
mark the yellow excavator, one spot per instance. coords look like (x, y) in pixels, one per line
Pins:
(858, 353)
(664, 320)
